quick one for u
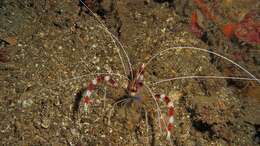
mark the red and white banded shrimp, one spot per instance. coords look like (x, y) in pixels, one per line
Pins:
(136, 82)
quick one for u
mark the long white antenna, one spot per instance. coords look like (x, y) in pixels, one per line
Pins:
(204, 50)
(114, 38)
(203, 77)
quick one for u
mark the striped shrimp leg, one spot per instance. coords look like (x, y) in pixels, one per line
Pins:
(140, 77)
(92, 86)
(170, 113)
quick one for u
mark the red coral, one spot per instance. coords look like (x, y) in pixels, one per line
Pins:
(229, 30)
(195, 28)
(248, 30)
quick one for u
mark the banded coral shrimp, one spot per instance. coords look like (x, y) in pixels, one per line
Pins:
(129, 96)
(57, 97)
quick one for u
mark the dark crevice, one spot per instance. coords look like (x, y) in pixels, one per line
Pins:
(116, 18)
(102, 12)
(76, 104)
(137, 132)
(203, 127)
(2, 4)
(191, 111)
(199, 125)
(256, 137)
(236, 83)
(256, 60)
(154, 73)
(3, 51)
(165, 1)
(118, 29)
(110, 15)
(93, 5)
(205, 38)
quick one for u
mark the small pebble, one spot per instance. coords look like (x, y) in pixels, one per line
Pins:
(27, 103)
(45, 123)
